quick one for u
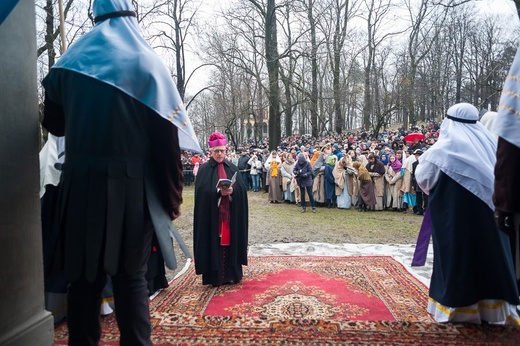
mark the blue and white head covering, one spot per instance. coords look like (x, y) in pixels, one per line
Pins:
(466, 151)
(115, 53)
(507, 122)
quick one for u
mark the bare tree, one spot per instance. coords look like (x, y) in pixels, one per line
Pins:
(202, 115)
(241, 46)
(304, 63)
(335, 27)
(268, 13)
(487, 62)
(167, 25)
(52, 29)
(288, 62)
(314, 68)
(378, 12)
(427, 19)
(48, 31)
(385, 87)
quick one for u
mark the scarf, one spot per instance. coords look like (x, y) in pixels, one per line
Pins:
(274, 169)
(331, 160)
(385, 160)
(396, 165)
(315, 156)
(223, 211)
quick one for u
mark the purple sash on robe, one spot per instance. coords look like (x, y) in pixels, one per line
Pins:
(423, 241)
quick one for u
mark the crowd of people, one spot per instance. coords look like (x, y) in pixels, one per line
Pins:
(121, 187)
(334, 180)
(473, 278)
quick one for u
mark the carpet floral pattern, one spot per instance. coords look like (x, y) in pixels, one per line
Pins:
(297, 300)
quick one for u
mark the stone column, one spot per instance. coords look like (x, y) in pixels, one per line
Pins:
(23, 320)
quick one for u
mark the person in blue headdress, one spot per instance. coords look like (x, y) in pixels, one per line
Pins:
(125, 124)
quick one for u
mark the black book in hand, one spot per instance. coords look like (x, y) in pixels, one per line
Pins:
(223, 183)
(226, 182)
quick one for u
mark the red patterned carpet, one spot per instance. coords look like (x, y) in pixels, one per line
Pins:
(305, 300)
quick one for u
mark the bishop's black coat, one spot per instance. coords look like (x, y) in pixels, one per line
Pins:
(206, 241)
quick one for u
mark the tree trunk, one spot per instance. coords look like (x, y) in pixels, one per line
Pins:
(49, 32)
(338, 114)
(271, 52)
(179, 50)
(338, 43)
(314, 67)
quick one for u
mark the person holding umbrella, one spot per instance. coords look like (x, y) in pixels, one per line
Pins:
(415, 139)
(114, 100)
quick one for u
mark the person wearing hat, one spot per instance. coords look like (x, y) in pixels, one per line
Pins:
(473, 278)
(337, 151)
(421, 199)
(220, 218)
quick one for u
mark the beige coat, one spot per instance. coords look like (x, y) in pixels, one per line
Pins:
(288, 168)
(407, 178)
(340, 177)
(393, 187)
(318, 187)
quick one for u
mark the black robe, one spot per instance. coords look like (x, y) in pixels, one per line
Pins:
(116, 149)
(472, 260)
(219, 264)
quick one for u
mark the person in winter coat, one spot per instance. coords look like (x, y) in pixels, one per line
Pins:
(330, 183)
(256, 168)
(377, 172)
(220, 218)
(303, 172)
(393, 179)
